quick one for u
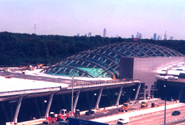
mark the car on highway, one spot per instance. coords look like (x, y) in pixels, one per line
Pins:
(175, 113)
(123, 121)
(89, 112)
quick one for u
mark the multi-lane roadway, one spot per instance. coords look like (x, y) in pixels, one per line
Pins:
(154, 118)
(157, 118)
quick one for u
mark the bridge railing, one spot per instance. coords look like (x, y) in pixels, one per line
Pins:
(96, 83)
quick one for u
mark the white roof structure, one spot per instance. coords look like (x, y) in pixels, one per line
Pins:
(14, 84)
(13, 87)
(171, 71)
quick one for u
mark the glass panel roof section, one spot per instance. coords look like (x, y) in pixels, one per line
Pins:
(104, 61)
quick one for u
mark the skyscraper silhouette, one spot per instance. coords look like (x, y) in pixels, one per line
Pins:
(104, 32)
(165, 36)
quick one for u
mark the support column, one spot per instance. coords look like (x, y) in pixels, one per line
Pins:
(99, 97)
(76, 100)
(137, 91)
(49, 105)
(17, 110)
(180, 93)
(119, 95)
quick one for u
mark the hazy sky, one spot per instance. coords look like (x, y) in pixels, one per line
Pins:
(70, 17)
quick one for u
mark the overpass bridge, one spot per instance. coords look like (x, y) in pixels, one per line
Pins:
(16, 87)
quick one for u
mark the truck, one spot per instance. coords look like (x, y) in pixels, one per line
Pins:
(77, 113)
(50, 119)
(124, 108)
(144, 104)
(61, 115)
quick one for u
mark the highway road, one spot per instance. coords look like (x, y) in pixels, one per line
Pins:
(156, 118)
(102, 113)
(151, 119)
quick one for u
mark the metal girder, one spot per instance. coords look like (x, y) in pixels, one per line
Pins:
(135, 49)
(106, 69)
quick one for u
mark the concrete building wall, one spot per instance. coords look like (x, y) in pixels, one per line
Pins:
(126, 68)
(145, 69)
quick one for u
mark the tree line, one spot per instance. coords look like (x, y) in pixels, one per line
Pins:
(18, 49)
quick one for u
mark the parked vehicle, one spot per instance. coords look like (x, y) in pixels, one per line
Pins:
(175, 113)
(122, 121)
(144, 104)
(67, 116)
(124, 108)
(89, 112)
(77, 113)
(61, 115)
(50, 119)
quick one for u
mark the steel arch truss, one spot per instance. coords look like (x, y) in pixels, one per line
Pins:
(104, 61)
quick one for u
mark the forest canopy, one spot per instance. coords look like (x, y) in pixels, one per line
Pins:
(24, 49)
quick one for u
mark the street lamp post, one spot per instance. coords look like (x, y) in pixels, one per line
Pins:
(72, 98)
(165, 91)
(165, 102)
(166, 78)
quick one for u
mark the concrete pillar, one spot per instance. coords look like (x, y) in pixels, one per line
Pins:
(119, 95)
(138, 89)
(99, 97)
(17, 109)
(49, 105)
(180, 93)
(76, 100)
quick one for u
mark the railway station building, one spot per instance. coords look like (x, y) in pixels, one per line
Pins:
(105, 76)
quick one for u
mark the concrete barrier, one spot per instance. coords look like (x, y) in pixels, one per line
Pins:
(31, 122)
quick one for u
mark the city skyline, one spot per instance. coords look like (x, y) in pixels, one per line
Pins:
(69, 17)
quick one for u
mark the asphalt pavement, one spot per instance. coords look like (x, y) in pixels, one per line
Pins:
(113, 111)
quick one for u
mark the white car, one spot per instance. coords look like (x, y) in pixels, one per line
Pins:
(123, 120)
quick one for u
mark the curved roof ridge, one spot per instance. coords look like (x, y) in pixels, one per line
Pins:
(98, 59)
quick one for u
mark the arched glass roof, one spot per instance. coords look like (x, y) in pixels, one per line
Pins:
(104, 61)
